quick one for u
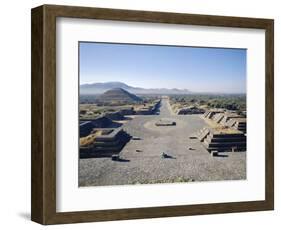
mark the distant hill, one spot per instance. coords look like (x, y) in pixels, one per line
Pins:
(99, 88)
(117, 95)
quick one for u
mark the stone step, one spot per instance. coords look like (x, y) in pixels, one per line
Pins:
(228, 135)
(226, 149)
(233, 139)
(231, 123)
(228, 144)
(218, 118)
(203, 134)
(106, 144)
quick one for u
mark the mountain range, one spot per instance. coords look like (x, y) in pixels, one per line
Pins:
(99, 88)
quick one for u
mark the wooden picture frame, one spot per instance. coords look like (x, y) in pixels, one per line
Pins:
(43, 205)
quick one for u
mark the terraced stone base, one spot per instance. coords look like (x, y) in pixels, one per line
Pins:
(214, 140)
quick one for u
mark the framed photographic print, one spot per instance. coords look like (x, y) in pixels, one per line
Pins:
(140, 114)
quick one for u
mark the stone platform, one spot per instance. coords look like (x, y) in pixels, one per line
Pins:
(104, 142)
(165, 122)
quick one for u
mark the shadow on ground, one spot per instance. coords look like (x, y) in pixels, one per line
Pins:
(24, 215)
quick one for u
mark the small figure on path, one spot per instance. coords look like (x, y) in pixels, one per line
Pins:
(165, 155)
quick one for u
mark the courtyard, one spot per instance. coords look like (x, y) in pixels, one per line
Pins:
(142, 162)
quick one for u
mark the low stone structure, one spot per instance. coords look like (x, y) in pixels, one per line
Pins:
(103, 142)
(218, 117)
(165, 122)
(222, 139)
(190, 110)
(86, 126)
(228, 119)
(239, 124)
(147, 109)
(210, 113)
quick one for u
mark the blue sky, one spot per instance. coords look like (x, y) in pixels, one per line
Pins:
(216, 70)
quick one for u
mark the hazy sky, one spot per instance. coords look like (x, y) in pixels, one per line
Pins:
(151, 66)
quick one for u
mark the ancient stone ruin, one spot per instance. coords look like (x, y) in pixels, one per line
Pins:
(222, 140)
(226, 131)
(103, 142)
(239, 124)
(165, 122)
(210, 113)
(147, 109)
(227, 119)
(100, 122)
(190, 110)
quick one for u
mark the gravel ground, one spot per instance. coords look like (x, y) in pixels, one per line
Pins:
(142, 161)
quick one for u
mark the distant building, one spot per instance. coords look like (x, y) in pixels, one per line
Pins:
(147, 109)
(190, 110)
(117, 96)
